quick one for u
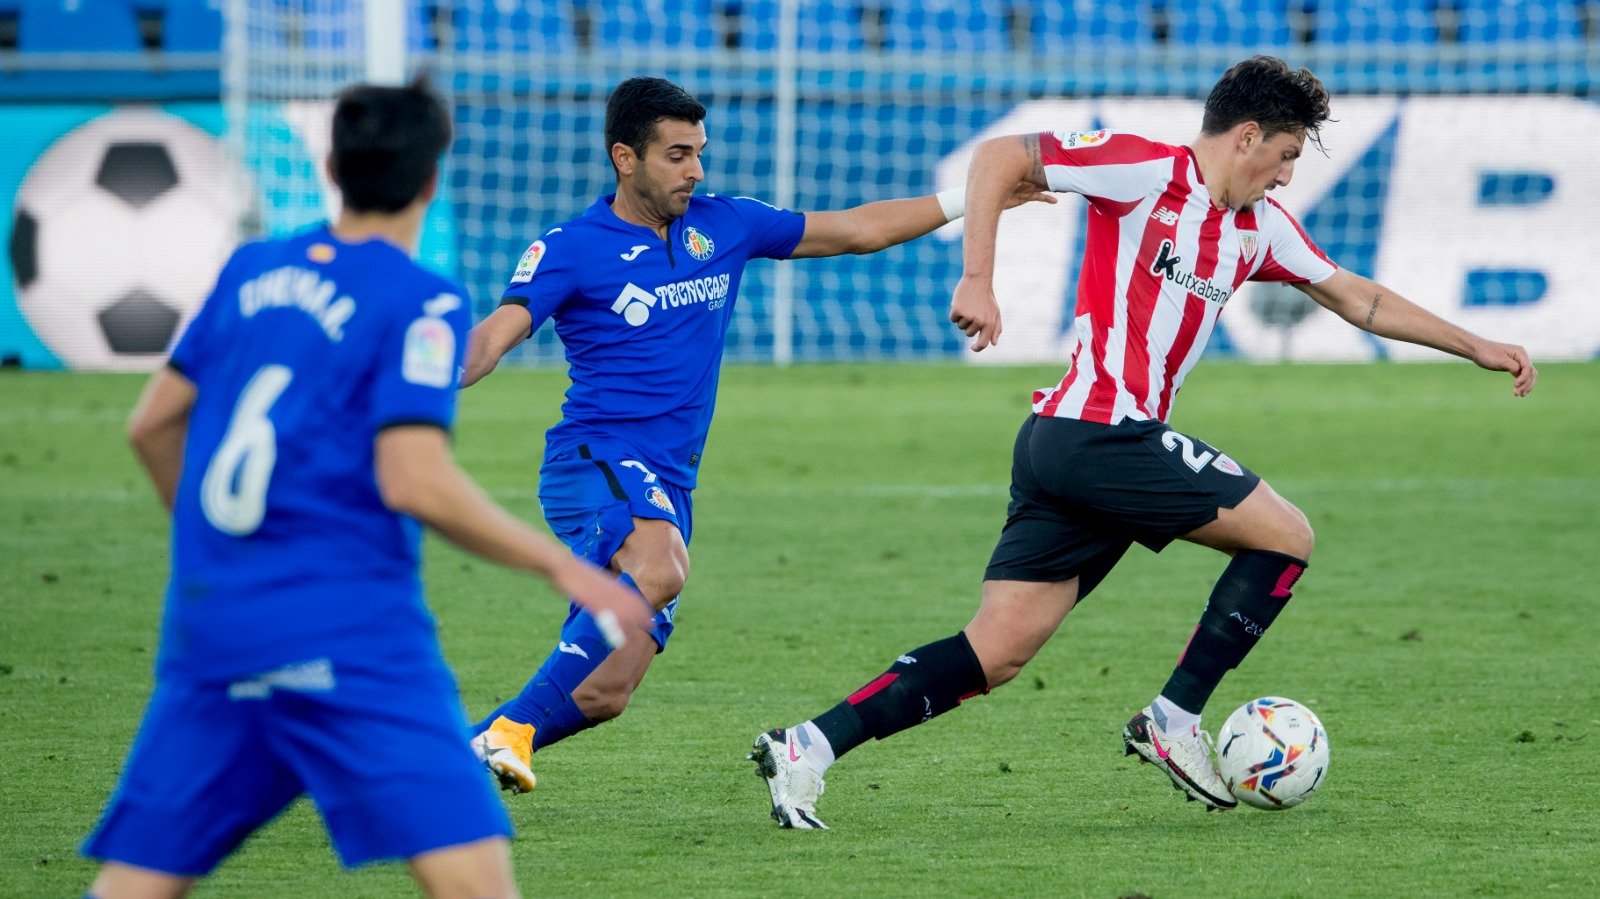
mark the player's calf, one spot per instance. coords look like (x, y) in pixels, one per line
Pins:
(1253, 590)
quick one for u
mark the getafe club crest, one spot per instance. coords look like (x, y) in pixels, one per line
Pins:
(698, 244)
(658, 497)
(1247, 244)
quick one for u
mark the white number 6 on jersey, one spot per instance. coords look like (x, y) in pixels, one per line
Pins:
(233, 493)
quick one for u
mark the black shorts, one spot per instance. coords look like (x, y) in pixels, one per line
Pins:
(1082, 493)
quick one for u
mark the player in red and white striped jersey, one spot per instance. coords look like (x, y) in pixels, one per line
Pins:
(1161, 261)
(1173, 232)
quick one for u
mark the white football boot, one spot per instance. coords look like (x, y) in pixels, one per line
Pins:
(1186, 758)
(794, 783)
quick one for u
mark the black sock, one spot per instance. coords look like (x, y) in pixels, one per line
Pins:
(919, 686)
(1251, 592)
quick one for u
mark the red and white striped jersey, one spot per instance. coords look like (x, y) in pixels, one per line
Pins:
(1159, 265)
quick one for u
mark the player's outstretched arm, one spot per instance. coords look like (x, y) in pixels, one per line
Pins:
(158, 426)
(1372, 307)
(871, 227)
(417, 475)
(492, 338)
(998, 166)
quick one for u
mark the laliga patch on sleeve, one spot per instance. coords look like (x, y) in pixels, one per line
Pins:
(1074, 140)
(529, 263)
(430, 353)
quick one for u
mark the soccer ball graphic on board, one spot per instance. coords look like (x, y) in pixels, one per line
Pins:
(118, 232)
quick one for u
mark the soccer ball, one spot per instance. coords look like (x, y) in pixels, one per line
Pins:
(119, 230)
(1273, 753)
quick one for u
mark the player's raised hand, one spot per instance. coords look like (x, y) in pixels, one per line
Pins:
(1028, 192)
(974, 310)
(1508, 357)
(621, 613)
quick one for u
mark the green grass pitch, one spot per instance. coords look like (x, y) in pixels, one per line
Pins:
(1446, 633)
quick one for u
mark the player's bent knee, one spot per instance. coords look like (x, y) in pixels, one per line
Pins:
(1001, 659)
(119, 881)
(658, 591)
(997, 673)
(601, 704)
(1298, 538)
(661, 580)
(1272, 524)
(478, 869)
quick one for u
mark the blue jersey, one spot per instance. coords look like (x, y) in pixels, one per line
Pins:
(282, 548)
(643, 320)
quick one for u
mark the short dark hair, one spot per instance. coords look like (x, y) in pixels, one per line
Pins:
(639, 103)
(386, 144)
(1263, 89)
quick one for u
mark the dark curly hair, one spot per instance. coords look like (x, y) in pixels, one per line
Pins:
(1265, 90)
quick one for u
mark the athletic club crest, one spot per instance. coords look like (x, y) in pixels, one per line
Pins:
(1247, 244)
(698, 244)
(658, 497)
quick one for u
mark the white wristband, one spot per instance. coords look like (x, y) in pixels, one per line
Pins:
(952, 202)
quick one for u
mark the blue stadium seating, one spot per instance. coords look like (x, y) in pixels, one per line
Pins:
(1081, 24)
(328, 25)
(654, 24)
(421, 25)
(827, 26)
(1498, 21)
(946, 26)
(1230, 23)
(1084, 31)
(515, 25)
(1376, 21)
(192, 25)
(83, 26)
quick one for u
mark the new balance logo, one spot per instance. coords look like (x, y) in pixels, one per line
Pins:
(572, 649)
(1168, 217)
(633, 253)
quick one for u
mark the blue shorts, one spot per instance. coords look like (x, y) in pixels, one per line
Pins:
(377, 743)
(591, 492)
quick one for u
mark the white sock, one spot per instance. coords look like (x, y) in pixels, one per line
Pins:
(814, 747)
(1172, 719)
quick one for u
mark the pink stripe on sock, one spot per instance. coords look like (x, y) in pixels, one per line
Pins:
(1286, 581)
(871, 690)
(1186, 644)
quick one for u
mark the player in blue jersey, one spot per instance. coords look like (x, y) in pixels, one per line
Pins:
(299, 434)
(641, 288)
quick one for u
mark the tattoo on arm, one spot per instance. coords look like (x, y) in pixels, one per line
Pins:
(1030, 143)
(1374, 309)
